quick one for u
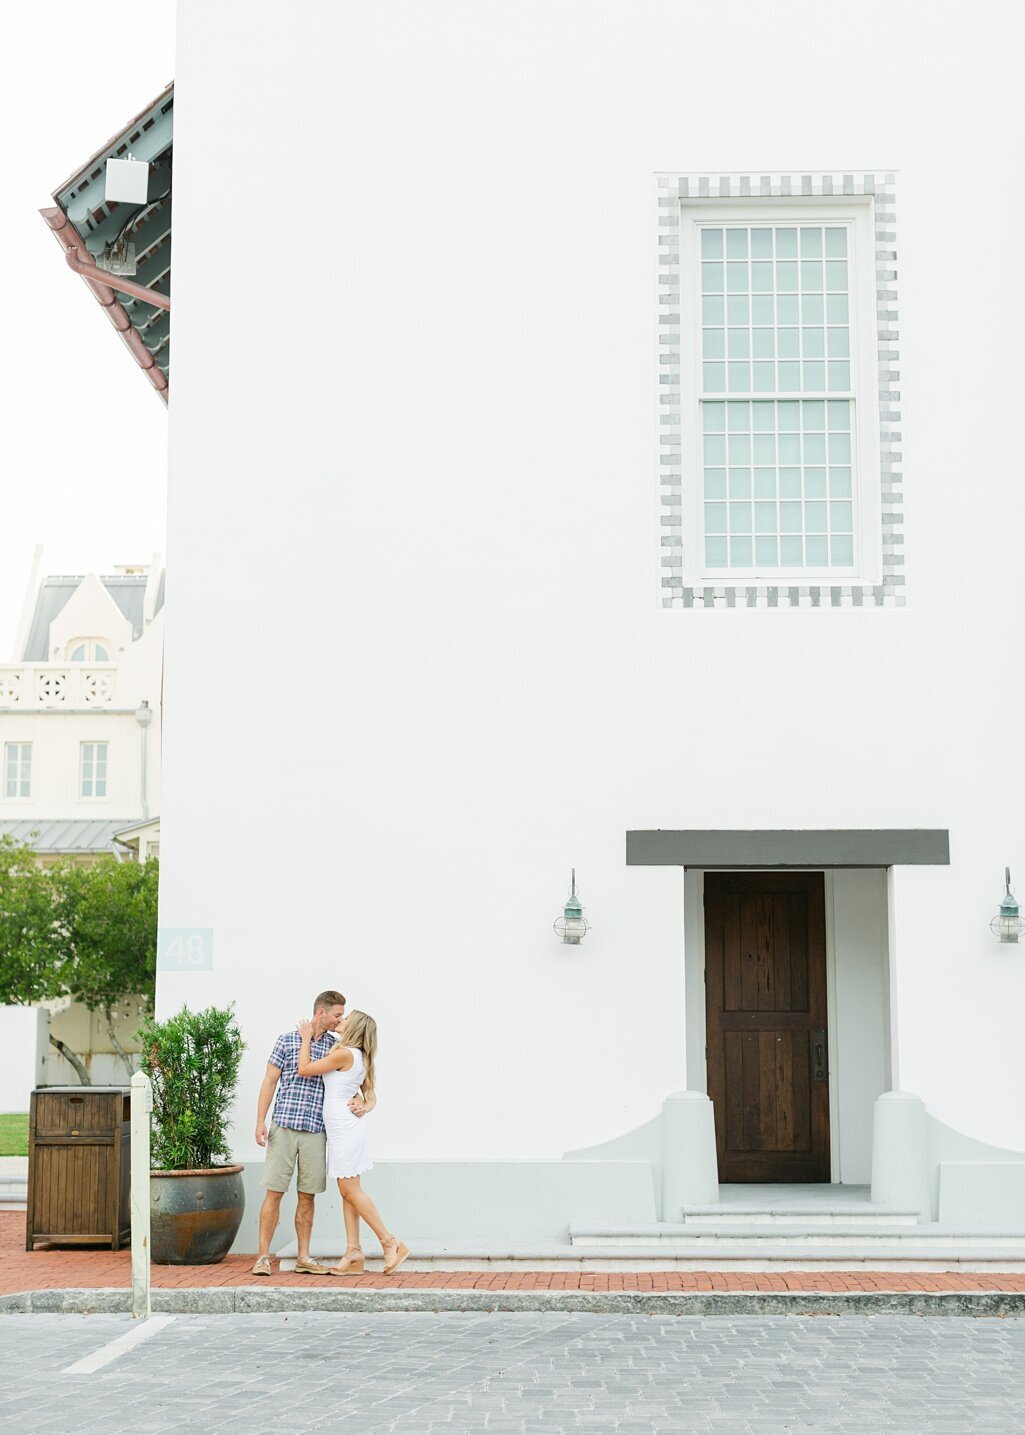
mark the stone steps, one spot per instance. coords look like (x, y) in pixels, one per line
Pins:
(799, 1215)
(13, 1190)
(777, 1238)
(929, 1248)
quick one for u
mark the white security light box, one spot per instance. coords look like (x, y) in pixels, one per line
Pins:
(127, 181)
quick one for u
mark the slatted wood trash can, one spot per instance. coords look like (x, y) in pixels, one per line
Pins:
(79, 1168)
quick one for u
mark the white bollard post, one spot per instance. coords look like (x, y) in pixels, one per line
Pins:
(142, 1105)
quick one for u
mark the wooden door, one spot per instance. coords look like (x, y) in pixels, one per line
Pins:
(765, 974)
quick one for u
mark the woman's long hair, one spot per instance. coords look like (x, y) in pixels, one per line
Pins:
(360, 1031)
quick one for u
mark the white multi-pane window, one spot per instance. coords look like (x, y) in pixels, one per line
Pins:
(93, 770)
(17, 769)
(780, 392)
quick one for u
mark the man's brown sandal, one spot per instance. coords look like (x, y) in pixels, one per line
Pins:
(310, 1268)
(262, 1267)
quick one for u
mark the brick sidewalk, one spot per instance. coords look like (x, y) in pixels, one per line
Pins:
(51, 1268)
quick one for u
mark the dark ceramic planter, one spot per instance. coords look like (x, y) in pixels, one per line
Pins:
(195, 1215)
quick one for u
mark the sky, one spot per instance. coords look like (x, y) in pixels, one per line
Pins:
(83, 436)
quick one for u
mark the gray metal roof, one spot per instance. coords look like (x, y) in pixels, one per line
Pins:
(128, 591)
(56, 836)
(134, 826)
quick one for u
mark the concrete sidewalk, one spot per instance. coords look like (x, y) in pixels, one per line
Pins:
(77, 1278)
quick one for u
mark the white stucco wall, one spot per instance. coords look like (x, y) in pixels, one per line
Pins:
(426, 455)
(85, 1032)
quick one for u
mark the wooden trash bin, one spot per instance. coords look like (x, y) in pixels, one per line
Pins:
(79, 1169)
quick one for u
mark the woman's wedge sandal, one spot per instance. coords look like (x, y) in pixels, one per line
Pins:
(399, 1252)
(351, 1264)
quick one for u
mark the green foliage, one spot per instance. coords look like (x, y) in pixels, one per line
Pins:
(88, 932)
(109, 911)
(29, 932)
(192, 1060)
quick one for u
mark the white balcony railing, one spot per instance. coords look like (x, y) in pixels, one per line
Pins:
(32, 686)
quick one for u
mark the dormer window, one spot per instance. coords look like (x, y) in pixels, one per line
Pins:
(89, 650)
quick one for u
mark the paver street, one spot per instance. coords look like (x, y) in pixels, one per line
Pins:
(537, 1373)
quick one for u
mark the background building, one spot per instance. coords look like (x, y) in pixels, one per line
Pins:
(80, 746)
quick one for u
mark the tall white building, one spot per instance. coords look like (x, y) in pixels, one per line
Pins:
(567, 407)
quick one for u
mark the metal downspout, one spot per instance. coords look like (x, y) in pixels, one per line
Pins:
(70, 241)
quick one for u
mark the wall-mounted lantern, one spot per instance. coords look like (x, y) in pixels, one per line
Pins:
(1007, 924)
(573, 926)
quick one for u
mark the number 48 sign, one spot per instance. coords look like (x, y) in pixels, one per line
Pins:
(185, 949)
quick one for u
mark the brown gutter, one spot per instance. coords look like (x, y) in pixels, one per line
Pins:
(112, 282)
(71, 242)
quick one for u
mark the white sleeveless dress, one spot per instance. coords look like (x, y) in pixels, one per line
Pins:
(348, 1147)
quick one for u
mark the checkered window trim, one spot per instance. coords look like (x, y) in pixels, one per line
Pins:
(889, 592)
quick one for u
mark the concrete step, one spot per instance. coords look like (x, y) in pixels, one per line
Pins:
(800, 1214)
(13, 1190)
(940, 1250)
(769, 1235)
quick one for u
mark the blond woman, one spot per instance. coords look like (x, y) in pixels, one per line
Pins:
(348, 1069)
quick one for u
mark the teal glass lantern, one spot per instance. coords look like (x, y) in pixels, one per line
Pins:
(572, 926)
(1007, 924)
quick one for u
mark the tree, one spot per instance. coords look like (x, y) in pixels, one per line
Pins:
(85, 932)
(27, 926)
(109, 914)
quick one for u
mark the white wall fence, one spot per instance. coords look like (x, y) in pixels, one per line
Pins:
(28, 686)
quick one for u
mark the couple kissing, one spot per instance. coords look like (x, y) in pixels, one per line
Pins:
(321, 1079)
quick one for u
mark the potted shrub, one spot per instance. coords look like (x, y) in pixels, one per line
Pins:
(196, 1194)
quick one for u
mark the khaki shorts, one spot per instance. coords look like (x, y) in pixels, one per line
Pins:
(284, 1148)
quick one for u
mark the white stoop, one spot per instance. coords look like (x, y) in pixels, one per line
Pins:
(804, 1228)
(800, 1207)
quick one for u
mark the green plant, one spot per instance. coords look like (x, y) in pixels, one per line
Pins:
(192, 1060)
(85, 932)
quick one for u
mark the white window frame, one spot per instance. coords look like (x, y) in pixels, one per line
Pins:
(22, 770)
(94, 796)
(856, 213)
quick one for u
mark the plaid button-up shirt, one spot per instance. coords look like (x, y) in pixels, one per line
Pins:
(299, 1103)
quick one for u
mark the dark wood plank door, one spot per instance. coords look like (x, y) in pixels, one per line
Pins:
(765, 974)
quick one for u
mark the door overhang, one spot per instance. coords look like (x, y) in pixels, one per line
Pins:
(767, 849)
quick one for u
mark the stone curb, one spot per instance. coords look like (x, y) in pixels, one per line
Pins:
(238, 1300)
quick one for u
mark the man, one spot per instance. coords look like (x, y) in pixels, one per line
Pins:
(297, 1136)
